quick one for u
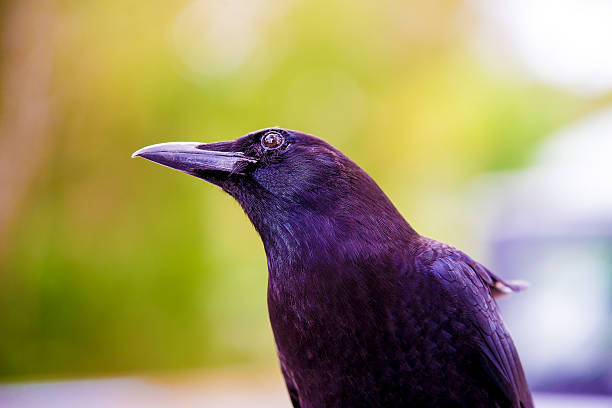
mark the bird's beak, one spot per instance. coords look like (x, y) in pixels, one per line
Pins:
(193, 158)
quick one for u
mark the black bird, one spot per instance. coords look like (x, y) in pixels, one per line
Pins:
(365, 311)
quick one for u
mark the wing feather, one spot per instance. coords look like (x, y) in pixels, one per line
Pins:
(474, 287)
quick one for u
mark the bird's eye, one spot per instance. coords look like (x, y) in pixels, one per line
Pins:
(272, 140)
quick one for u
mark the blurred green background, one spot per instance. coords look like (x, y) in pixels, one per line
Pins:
(110, 265)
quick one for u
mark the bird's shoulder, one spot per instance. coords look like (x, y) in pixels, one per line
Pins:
(456, 269)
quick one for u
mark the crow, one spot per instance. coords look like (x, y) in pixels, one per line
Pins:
(365, 311)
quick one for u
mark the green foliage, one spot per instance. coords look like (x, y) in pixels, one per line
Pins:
(119, 265)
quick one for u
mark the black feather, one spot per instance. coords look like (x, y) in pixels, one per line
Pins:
(365, 311)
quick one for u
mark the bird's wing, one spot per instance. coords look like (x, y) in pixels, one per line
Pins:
(497, 285)
(473, 287)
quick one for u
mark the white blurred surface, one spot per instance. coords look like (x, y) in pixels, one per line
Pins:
(145, 393)
(562, 42)
(149, 393)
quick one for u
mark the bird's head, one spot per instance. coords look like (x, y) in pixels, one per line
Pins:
(271, 164)
(283, 179)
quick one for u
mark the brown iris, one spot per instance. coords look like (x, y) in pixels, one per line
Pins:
(272, 140)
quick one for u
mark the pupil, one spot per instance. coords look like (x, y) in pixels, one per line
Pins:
(272, 140)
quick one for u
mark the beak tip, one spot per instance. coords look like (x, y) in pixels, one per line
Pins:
(138, 152)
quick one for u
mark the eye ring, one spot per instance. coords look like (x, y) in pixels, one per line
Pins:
(272, 140)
